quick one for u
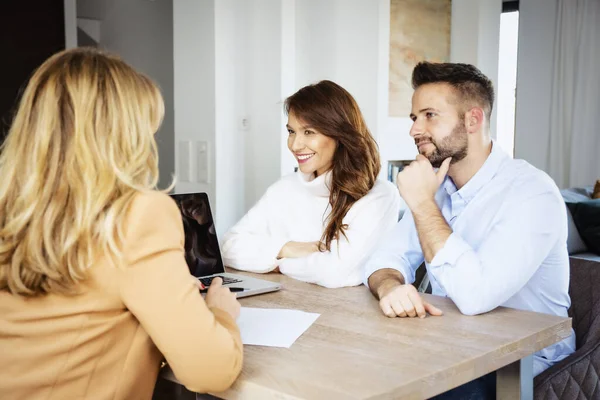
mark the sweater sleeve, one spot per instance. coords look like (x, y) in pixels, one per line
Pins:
(368, 221)
(203, 346)
(249, 245)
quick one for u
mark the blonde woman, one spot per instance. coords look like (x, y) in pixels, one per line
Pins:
(94, 288)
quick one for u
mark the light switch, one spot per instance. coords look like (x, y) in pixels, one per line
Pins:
(184, 168)
(203, 157)
(244, 123)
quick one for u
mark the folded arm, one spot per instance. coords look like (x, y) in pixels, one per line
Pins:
(342, 265)
(249, 246)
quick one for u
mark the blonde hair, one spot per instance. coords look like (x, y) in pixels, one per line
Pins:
(80, 147)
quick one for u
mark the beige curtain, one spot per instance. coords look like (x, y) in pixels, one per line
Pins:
(574, 147)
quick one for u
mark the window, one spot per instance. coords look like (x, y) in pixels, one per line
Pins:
(507, 77)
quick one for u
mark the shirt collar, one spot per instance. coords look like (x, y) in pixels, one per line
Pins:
(318, 186)
(485, 174)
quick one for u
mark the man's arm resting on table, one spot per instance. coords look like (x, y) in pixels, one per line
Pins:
(384, 280)
(432, 228)
(479, 280)
(397, 299)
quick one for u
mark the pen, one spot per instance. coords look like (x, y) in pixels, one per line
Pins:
(233, 289)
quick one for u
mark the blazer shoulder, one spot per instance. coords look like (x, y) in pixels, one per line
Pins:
(153, 217)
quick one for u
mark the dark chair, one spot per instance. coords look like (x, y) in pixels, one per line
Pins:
(578, 376)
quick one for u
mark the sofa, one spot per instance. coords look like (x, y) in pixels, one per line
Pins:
(575, 243)
(578, 376)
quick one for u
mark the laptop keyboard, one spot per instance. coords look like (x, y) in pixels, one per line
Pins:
(226, 280)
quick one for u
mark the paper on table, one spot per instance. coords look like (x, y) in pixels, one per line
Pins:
(273, 327)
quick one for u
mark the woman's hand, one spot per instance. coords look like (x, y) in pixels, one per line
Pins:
(298, 249)
(219, 296)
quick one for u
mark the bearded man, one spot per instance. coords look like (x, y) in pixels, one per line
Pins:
(491, 230)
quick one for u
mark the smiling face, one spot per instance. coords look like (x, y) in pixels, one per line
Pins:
(438, 130)
(313, 150)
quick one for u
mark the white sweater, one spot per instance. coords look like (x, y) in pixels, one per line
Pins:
(295, 209)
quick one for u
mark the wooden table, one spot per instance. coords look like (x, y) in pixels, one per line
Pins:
(353, 351)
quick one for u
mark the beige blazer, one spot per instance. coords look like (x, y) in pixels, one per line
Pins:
(108, 341)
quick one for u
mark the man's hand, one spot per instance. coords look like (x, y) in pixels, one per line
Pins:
(398, 300)
(418, 182)
(298, 249)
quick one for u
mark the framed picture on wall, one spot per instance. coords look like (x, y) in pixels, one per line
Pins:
(419, 31)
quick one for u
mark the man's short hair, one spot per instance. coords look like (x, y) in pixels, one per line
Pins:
(471, 85)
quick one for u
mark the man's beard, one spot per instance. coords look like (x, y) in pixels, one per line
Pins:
(454, 146)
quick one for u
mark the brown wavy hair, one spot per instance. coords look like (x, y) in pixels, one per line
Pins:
(332, 111)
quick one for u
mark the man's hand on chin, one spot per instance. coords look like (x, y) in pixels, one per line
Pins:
(418, 182)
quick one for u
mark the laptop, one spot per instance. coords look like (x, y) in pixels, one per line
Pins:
(202, 252)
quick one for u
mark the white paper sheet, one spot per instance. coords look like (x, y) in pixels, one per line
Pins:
(273, 327)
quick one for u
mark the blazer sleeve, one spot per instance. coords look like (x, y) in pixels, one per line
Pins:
(203, 346)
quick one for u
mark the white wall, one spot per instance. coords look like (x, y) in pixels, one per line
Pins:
(141, 32)
(475, 39)
(230, 103)
(537, 26)
(264, 101)
(250, 84)
(357, 54)
(315, 41)
(194, 84)
(288, 76)
(339, 40)
(229, 68)
(475, 34)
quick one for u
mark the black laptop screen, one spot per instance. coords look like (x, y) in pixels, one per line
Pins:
(202, 252)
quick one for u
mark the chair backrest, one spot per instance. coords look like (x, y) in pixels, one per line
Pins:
(584, 290)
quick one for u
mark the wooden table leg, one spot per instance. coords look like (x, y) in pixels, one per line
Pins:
(515, 381)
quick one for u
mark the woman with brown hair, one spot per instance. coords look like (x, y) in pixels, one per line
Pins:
(321, 223)
(94, 289)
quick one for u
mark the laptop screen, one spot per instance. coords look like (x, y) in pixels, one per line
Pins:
(202, 252)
